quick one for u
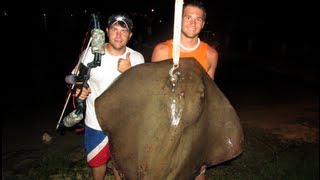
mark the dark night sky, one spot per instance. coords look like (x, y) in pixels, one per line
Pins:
(268, 20)
(278, 17)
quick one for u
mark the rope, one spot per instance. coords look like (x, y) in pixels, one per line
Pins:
(176, 37)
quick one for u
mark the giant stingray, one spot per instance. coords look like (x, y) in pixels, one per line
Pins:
(160, 130)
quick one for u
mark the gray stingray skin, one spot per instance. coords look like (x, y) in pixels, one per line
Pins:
(137, 112)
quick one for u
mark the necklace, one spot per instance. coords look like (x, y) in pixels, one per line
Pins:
(190, 49)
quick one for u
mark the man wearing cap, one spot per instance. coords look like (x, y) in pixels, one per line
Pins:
(117, 59)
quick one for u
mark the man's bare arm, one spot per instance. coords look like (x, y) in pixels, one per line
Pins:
(212, 56)
(160, 52)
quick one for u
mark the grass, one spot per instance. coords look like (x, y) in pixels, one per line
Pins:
(264, 157)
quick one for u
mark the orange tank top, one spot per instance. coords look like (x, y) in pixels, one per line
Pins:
(200, 54)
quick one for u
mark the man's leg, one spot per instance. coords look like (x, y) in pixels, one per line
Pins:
(99, 172)
(116, 174)
(201, 176)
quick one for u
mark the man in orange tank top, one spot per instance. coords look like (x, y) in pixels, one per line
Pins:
(193, 20)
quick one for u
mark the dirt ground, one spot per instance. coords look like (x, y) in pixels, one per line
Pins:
(297, 121)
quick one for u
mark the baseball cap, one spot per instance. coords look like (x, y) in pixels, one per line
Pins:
(120, 17)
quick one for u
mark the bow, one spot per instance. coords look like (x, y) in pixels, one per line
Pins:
(79, 80)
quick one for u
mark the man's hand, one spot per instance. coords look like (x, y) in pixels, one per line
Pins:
(84, 94)
(124, 64)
